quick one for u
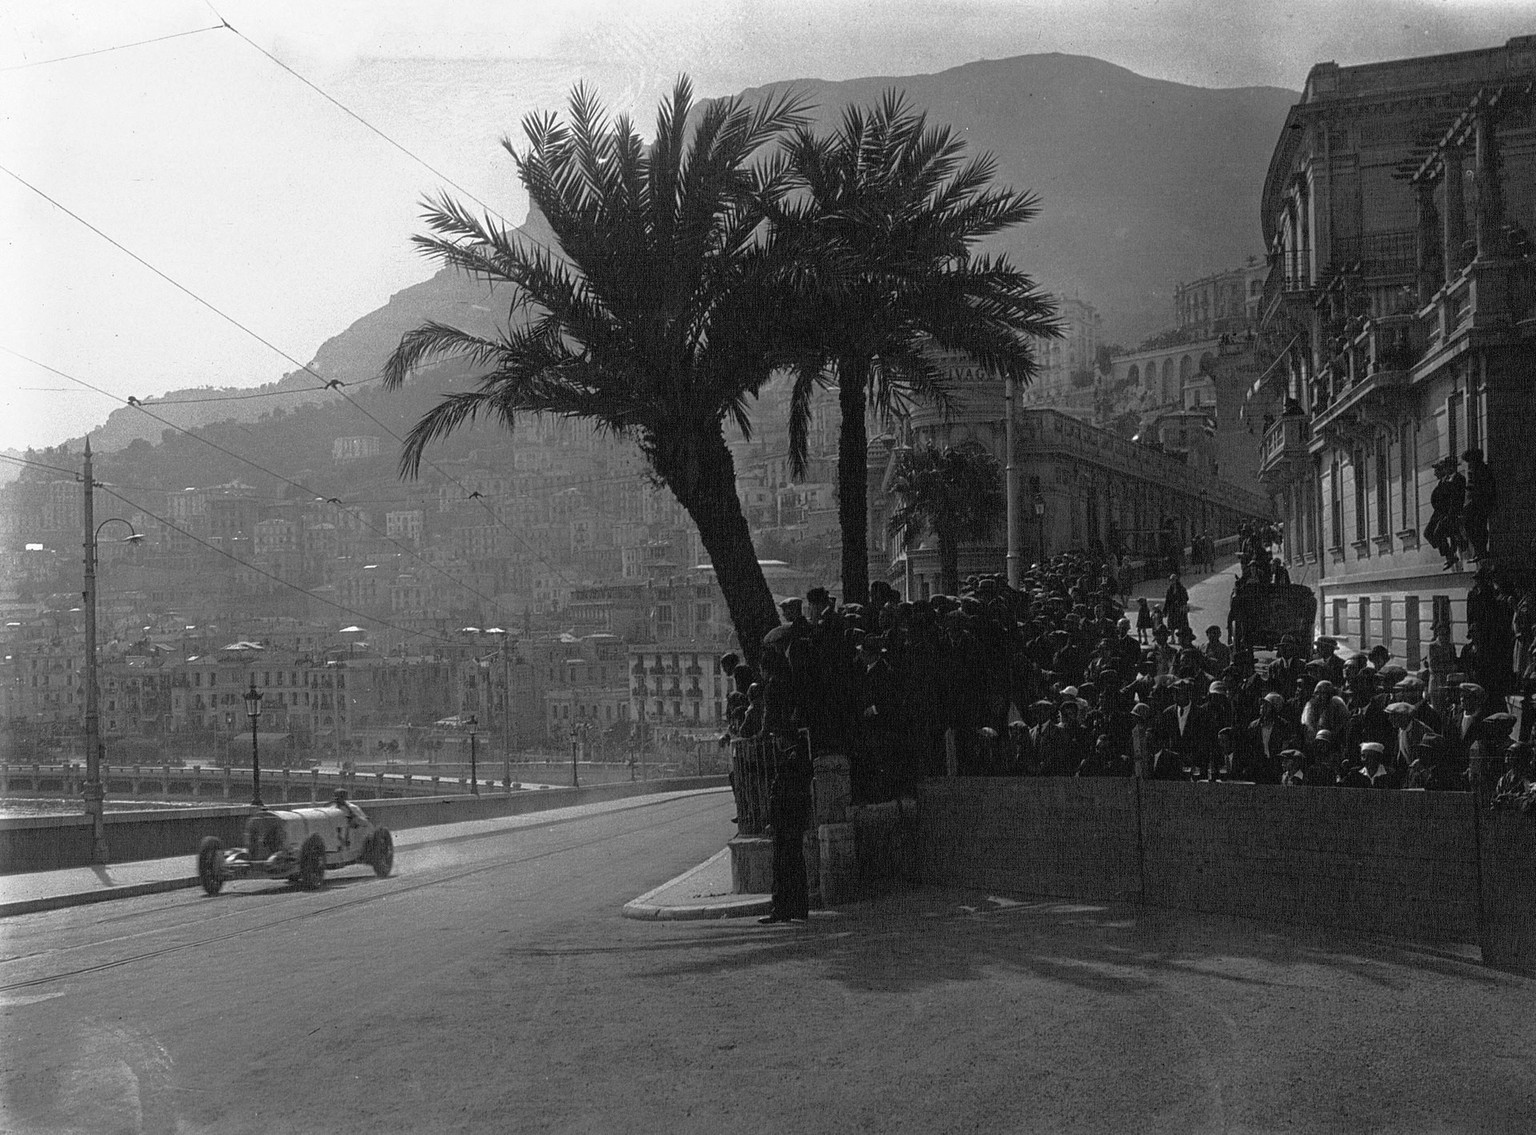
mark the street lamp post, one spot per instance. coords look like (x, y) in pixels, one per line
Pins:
(474, 768)
(1040, 524)
(94, 792)
(578, 735)
(252, 698)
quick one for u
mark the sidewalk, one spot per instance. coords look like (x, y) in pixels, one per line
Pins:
(700, 892)
(33, 891)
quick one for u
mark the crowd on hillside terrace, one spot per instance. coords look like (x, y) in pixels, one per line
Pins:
(1053, 679)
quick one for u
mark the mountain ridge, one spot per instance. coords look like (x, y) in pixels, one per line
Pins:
(1143, 182)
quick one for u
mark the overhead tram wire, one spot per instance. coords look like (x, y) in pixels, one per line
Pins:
(327, 384)
(75, 473)
(279, 579)
(505, 615)
(350, 113)
(490, 211)
(117, 47)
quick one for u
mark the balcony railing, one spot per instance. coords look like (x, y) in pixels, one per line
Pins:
(1284, 441)
(1391, 253)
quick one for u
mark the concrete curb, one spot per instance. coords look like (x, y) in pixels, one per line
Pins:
(645, 908)
(84, 898)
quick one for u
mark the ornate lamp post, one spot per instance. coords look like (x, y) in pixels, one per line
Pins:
(252, 698)
(94, 793)
(474, 773)
(578, 736)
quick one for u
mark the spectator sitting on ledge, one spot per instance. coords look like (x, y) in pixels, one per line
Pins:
(1517, 787)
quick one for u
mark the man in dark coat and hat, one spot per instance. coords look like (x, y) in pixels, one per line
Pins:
(1446, 502)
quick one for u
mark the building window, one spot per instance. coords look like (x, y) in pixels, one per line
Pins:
(1452, 425)
(1357, 468)
(1405, 471)
(1383, 488)
(1336, 505)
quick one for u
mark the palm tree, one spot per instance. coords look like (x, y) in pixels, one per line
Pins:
(894, 209)
(954, 493)
(651, 321)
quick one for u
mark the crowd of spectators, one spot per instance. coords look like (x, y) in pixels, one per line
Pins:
(1050, 679)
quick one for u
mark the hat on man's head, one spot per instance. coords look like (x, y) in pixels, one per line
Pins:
(1141, 709)
(1401, 707)
(1183, 684)
(1372, 747)
(1446, 464)
(1287, 639)
(1275, 700)
(1473, 689)
(1411, 682)
(1498, 725)
(1324, 687)
(790, 605)
(1217, 687)
(819, 596)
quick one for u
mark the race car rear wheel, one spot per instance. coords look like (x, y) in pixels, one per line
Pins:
(312, 863)
(210, 864)
(381, 853)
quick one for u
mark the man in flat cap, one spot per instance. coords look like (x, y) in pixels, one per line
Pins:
(1410, 689)
(1407, 733)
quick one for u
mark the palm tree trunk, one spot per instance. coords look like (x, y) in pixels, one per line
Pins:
(706, 487)
(852, 468)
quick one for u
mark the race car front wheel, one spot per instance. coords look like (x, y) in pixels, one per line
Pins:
(381, 853)
(210, 864)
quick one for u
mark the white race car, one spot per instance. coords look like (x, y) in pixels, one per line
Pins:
(299, 844)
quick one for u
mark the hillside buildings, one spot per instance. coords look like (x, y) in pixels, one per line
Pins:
(1205, 364)
(1085, 486)
(1066, 377)
(1400, 309)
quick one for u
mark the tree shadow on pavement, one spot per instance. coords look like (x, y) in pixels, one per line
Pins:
(913, 939)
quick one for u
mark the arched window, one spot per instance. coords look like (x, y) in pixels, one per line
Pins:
(1169, 392)
(1133, 376)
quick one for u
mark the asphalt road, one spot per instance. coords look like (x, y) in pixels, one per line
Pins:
(492, 986)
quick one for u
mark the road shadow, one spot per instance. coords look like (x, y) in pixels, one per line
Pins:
(917, 938)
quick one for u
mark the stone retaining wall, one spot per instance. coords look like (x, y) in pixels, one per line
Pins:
(48, 842)
(1427, 866)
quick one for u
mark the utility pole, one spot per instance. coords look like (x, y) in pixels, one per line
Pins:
(1010, 393)
(95, 793)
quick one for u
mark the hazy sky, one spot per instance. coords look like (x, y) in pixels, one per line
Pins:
(250, 190)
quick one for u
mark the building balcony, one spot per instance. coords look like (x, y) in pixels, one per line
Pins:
(1490, 296)
(1285, 447)
(1288, 284)
(1365, 384)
